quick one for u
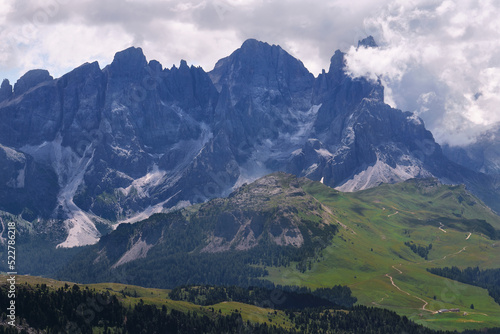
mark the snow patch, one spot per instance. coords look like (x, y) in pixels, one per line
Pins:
(117, 108)
(121, 152)
(138, 251)
(12, 154)
(145, 183)
(325, 153)
(148, 212)
(70, 170)
(311, 169)
(381, 172)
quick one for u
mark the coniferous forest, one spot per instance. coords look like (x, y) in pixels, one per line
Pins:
(72, 309)
(488, 279)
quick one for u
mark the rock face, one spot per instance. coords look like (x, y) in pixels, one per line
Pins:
(134, 138)
(5, 90)
(31, 79)
(28, 188)
(482, 156)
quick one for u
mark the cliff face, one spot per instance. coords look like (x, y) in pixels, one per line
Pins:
(132, 139)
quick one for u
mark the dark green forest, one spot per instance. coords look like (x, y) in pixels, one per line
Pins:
(422, 251)
(176, 260)
(282, 297)
(71, 309)
(488, 279)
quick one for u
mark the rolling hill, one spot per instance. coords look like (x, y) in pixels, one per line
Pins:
(294, 231)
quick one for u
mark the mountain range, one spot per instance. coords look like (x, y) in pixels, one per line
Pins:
(97, 147)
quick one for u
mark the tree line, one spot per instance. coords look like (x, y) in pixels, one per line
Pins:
(280, 297)
(488, 279)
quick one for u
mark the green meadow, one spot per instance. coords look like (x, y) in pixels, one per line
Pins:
(370, 256)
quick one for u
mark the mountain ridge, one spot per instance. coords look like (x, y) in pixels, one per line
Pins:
(134, 138)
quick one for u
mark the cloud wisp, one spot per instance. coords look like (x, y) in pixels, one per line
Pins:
(59, 35)
(440, 59)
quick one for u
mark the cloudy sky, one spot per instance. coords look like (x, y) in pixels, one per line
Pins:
(438, 58)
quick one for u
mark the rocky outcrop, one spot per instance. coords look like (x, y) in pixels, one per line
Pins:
(31, 79)
(482, 156)
(27, 188)
(5, 90)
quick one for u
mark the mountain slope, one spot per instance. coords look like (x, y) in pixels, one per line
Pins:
(379, 242)
(195, 309)
(270, 222)
(483, 155)
(134, 139)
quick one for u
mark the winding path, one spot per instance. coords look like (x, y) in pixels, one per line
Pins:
(441, 227)
(392, 214)
(397, 287)
(400, 272)
(407, 293)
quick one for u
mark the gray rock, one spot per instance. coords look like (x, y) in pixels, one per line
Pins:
(31, 79)
(5, 90)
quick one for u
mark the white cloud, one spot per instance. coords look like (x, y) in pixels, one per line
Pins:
(199, 31)
(440, 59)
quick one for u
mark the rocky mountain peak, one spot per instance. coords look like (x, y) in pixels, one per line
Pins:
(368, 42)
(5, 90)
(252, 43)
(259, 64)
(183, 65)
(31, 79)
(128, 61)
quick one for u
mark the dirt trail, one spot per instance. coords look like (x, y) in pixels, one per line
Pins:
(400, 272)
(397, 287)
(381, 300)
(392, 214)
(394, 284)
(407, 293)
(411, 212)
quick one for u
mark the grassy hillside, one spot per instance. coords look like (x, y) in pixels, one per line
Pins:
(132, 295)
(116, 308)
(370, 256)
(288, 231)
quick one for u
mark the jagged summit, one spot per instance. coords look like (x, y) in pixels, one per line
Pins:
(261, 65)
(183, 64)
(5, 90)
(31, 79)
(253, 43)
(368, 42)
(128, 60)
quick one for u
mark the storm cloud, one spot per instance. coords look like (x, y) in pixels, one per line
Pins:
(439, 58)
